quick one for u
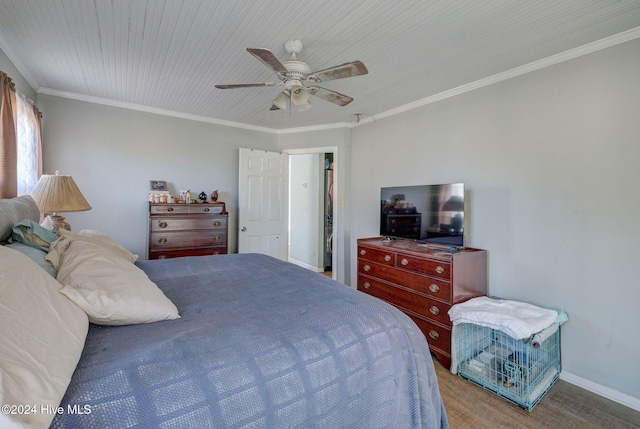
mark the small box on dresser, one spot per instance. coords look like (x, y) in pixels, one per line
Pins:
(187, 230)
(423, 281)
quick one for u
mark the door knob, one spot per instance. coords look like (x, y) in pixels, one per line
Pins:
(244, 228)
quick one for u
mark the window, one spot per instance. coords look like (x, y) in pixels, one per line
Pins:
(20, 141)
(28, 144)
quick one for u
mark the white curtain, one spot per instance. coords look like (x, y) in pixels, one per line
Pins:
(28, 144)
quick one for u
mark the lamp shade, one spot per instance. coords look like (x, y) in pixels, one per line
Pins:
(54, 193)
(300, 97)
(281, 101)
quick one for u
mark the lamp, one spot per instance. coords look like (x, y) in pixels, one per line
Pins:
(55, 193)
(300, 97)
(294, 93)
(282, 100)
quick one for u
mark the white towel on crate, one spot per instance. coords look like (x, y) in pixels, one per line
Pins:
(520, 320)
(517, 319)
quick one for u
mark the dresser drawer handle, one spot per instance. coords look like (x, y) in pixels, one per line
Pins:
(162, 257)
(433, 335)
(216, 223)
(367, 285)
(367, 268)
(434, 288)
(404, 261)
(434, 310)
(162, 240)
(387, 258)
(162, 224)
(170, 209)
(206, 209)
(363, 252)
(216, 238)
(439, 269)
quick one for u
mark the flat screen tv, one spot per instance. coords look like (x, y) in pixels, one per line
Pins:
(427, 213)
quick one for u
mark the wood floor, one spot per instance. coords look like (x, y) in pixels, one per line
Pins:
(564, 406)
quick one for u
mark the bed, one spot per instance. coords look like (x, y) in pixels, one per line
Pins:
(257, 343)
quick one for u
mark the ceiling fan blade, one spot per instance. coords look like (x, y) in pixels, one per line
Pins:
(355, 68)
(269, 59)
(246, 85)
(332, 96)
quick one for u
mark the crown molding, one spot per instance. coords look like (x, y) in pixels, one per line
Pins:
(515, 72)
(315, 128)
(147, 109)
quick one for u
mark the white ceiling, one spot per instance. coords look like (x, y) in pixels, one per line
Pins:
(166, 55)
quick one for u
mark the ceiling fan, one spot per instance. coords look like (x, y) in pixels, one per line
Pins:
(298, 79)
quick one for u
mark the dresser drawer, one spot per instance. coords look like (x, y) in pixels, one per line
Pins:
(438, 336)
(186, 239)
(432, 286)
(217, 208)
(206, 208)
(432, 267)
(201, 251)
(405, 299)
(178, 223)
(170, 209)
(376, 255)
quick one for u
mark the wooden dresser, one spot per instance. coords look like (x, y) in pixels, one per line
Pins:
(187, 230)
(424, 282)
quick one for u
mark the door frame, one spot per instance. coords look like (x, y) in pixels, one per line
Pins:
(337, 238)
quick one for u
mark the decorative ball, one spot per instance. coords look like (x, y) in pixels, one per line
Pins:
(202, 196)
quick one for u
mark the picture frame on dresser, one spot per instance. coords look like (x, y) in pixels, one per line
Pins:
(158, 185)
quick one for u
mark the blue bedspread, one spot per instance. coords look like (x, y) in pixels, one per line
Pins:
(261, 343)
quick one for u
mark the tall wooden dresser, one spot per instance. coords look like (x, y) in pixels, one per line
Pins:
(422, 281)
(187, 230)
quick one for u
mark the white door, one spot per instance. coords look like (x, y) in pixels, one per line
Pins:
(262, 203)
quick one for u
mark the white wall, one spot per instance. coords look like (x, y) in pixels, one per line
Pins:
(550, 164)
(112, 153)
(306, 210)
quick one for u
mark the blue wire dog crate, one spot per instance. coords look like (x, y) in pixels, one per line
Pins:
(511, 368)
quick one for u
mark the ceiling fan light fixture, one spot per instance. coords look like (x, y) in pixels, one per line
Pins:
(281, 101)
(294, 74)
(299, 95)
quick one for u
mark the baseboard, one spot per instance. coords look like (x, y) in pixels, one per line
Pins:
(305, 265)
(598, 389)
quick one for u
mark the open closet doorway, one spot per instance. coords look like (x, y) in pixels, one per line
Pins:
(313, 185)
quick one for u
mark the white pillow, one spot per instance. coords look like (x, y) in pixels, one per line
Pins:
(42, 334)
(61, 245)
(110, 289)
